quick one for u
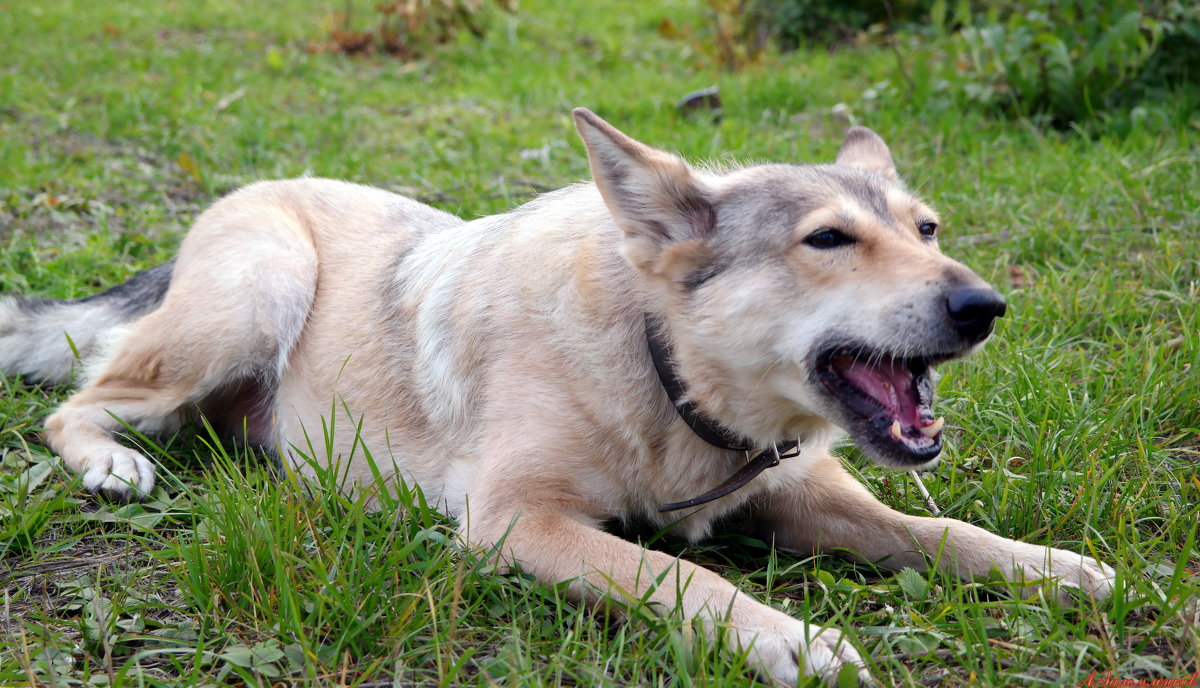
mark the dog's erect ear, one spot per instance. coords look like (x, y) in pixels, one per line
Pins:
(654, 196)
(865, 150)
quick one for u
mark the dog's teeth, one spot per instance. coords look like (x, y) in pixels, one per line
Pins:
(933, 428)
(897, 432)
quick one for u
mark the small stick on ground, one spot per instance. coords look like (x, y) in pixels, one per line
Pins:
(933, 507)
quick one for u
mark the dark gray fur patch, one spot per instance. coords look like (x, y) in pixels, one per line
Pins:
(141, 294)
(872, 196)
(763, 210)
(697, 212)
(31, 305)
(617, 172)
(704, 273)
(756, 218)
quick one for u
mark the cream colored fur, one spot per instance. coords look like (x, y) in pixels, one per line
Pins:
(502, 363)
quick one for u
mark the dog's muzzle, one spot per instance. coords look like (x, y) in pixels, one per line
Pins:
(885, 400)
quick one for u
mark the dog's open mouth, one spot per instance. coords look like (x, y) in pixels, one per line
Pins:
(888, 402)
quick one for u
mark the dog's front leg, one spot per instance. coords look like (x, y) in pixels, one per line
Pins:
(555, 545)
(831, 510)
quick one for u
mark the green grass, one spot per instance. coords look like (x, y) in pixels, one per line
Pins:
(1078, 426)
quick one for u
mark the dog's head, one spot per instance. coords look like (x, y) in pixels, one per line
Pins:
(796, 297)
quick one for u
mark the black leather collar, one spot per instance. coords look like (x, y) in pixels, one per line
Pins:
(708, 429)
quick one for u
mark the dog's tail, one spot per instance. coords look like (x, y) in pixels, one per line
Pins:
(47, 340)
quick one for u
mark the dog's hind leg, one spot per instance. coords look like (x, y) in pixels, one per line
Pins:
(241, 291)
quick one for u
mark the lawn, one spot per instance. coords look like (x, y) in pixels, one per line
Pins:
(1078, 426)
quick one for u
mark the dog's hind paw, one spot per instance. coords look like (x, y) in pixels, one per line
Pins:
(119, 473)
(805, 650)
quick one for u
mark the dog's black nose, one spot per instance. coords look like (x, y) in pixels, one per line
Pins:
(973, 310)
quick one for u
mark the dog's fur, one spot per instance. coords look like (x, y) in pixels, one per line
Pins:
(503, 364)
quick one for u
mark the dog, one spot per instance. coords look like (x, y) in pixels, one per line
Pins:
(667, 345)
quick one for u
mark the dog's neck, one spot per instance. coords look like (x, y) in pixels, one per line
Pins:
(707, 428)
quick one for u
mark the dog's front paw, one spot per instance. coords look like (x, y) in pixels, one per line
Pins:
(805, 650)
(119, 473)
(1063, 575)
(1094, 579)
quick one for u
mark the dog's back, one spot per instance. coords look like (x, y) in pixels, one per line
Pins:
(53, 341)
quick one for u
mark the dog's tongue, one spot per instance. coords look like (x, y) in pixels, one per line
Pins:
(889, 382)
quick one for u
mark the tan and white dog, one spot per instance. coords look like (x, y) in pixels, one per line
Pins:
(598, 353)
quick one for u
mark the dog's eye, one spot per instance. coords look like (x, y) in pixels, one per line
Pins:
(927, 229)
(828, 237)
